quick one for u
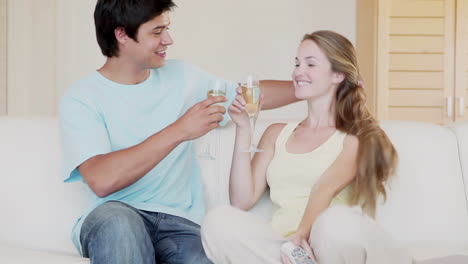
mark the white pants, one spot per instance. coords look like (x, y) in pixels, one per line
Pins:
(339, 235)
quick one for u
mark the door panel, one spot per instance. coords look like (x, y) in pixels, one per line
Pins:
(417, 44)
(418, 8)
(417, 60)
(423, 114)
(3, 57)
(416, 80)
(421, 98)
(417, 26)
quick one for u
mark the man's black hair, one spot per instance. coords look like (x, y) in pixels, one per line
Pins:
(128, 14)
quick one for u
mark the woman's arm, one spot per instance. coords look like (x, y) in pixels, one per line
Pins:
(330, 184)
(248, 177)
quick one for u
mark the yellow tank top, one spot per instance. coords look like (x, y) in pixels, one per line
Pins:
(291, 177)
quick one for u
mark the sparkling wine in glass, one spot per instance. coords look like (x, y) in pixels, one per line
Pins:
(216, 88)
(216, 92)
(251, 94)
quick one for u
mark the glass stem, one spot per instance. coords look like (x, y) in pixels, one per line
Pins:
(215, 137)
(252, 120)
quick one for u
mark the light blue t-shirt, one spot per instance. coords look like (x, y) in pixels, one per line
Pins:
(99, 116)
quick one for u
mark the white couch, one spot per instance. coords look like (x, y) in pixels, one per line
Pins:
(427, 207)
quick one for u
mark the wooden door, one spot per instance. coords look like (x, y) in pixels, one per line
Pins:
(3, 57)
(416, 60)
(461, 77)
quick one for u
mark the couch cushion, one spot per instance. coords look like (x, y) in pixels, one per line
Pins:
(452, 259)
(430, 252)
(426, 199)
(38, 209)
(18, 255)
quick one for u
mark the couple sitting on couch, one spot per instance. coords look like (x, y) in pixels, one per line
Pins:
(127, 131)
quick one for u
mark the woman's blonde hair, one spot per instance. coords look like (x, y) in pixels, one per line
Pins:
(377, 158)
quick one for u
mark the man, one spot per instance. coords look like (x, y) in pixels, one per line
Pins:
(127, 131)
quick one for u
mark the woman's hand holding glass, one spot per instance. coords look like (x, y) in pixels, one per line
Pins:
(238, 111)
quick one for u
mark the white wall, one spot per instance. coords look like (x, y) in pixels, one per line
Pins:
(31, 57)
(228, 38)
(77, 52)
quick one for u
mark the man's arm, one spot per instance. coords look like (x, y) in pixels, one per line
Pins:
(108, 173)
(277, 93)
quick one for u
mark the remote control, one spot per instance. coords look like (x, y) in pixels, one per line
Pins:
(296, 255)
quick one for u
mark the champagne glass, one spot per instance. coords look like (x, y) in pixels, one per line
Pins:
(251, 94)
(216, 88)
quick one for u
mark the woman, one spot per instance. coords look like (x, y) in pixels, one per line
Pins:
(325, 173)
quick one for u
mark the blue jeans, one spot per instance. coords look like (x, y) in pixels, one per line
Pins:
(117, 233)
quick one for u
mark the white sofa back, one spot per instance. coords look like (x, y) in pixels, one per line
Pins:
(38, 209)
(427, 200)
(461, 131)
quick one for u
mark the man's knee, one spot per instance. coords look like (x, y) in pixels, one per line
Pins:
(114, 215)
(112, 223)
